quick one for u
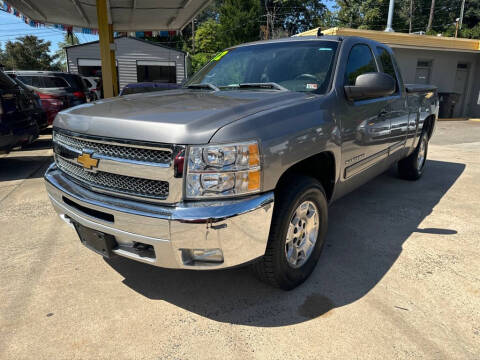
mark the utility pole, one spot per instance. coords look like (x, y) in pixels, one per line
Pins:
(193, 35)
(390, 16)
(410, 17)
(461, 13)
(456, 26)
(430, 18)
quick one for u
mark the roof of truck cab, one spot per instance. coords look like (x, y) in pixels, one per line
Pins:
(403, 40)
(291, 39)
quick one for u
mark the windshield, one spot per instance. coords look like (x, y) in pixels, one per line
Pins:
(296, 65)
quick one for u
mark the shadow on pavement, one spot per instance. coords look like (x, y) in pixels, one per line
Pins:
(39, 144)
(23, 167)
(366, 232)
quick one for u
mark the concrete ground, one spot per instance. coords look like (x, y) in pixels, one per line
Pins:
(399, 278)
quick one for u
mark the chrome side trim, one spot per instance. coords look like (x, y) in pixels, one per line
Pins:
(365, 163)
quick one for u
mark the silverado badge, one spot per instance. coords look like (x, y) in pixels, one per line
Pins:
(87, 161)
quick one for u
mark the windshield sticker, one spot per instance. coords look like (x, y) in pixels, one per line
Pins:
(219, 56)
(312, 86)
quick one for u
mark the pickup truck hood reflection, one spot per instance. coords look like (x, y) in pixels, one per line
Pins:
(177, 117)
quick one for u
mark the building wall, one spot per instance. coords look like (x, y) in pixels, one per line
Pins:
(128, 51)
(443, 71)
(474, 110)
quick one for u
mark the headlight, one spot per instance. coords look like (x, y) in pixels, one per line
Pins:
(223, 170)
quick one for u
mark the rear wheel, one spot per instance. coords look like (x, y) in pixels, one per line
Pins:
(412, 167)
(297, 233)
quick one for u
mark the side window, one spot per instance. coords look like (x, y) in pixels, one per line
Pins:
(386, 62)
(360, 61)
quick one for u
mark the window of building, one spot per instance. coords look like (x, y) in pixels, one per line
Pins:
(360, 61)
(423, 71)
(156, 71)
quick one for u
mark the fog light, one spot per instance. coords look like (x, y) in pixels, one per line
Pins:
(202, 255)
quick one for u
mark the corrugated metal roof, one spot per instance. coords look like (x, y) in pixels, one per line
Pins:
(125, 15)
(402, 39)
(133, 38)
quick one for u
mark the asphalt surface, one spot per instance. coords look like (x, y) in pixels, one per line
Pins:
(399, 278)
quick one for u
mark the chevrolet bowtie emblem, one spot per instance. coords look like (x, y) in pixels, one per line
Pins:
(87, 161)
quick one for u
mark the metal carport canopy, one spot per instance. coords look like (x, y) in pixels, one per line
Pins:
(124, 15)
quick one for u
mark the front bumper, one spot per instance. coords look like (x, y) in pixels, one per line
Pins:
(239, 228)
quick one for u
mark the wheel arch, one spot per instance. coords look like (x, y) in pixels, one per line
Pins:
(320, 166)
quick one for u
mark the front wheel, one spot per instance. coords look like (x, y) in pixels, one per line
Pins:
(297, 233)
(412, 167)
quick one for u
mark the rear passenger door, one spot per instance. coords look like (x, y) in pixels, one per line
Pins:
(396, 104)
(365, 124)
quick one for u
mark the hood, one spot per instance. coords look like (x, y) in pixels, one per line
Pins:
(181, 116)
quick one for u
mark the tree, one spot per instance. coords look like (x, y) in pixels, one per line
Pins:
(289, 17)
(239, 20)
(29, 53)
(68, 40)
(209, 41)
(372, 14)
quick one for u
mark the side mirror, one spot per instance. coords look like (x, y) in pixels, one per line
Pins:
(370, 85)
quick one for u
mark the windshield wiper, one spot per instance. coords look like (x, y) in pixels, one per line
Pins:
(203, 86)
(267, 85)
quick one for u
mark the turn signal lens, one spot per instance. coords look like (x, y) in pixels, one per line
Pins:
(253, 155)
(254, 180)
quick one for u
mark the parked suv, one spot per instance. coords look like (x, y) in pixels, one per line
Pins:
(57, 90)
(93, 86)
(18, 124)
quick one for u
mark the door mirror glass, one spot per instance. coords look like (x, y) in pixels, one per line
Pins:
(370, 86)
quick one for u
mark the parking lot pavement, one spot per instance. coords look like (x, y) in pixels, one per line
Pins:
(399, 278)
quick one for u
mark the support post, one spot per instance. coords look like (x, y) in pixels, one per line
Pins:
(390, 16)
(107, 54)
(112, 60)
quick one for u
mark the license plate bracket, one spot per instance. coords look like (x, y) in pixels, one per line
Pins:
(95, 240)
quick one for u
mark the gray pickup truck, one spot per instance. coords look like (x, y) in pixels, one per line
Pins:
(238, 166)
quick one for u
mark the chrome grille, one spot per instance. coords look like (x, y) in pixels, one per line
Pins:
(113, 182)
(115, 150)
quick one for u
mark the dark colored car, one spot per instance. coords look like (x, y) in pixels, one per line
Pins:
(56, 90)
(142, 87)
(38, 112)
(18, 123)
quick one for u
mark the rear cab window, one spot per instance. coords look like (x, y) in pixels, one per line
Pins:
(386, 62)
(360, 61)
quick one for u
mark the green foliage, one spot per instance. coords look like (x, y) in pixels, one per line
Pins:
(29, 53)
(68, 40)
(239, 21)
(208, 37)
(198, 60)
(372, 15)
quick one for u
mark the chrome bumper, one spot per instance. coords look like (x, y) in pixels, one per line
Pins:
(239, 228)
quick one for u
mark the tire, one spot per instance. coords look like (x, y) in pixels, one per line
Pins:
(413, 166)
(279, 266)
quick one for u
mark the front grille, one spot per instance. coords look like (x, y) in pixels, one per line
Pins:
(113, 182)
(114, 150)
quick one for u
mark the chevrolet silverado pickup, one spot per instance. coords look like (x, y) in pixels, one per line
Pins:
(239, 165)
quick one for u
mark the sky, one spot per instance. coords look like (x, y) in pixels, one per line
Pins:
(12, 27)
